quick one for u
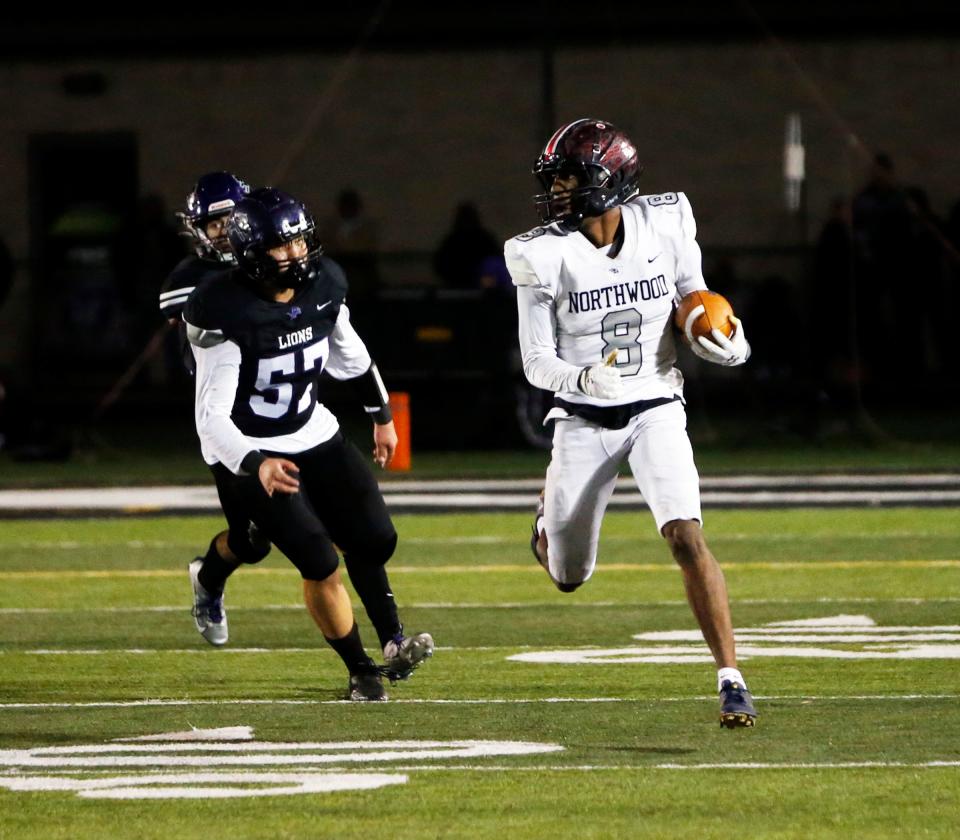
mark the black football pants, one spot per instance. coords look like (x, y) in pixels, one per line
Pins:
(339, 503)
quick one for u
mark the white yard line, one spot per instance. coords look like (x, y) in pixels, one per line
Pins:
(114, 704)
(717, 536)
(161, 773)
(491, 568)
(476, 605)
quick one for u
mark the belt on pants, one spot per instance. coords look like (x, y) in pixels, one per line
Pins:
(611, 416)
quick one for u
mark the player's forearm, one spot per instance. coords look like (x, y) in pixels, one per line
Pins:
(538, 343)
(373, 395)
(218, 373)
(544, 369)
(221, 437)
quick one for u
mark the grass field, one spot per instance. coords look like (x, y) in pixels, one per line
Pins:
(858, 736)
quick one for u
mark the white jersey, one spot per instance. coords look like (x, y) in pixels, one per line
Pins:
(577, 304)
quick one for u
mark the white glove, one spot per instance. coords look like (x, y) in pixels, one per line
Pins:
(601, 380)
(728, 352)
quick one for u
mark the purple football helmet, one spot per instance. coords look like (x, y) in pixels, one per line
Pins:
(266, 219)
(215, 195)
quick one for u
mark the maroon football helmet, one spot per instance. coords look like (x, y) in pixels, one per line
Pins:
(603, 159)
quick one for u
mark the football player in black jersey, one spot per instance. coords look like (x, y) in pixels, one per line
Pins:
(204, 220)
(261, 335)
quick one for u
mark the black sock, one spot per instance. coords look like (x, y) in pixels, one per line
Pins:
(350, 650)
(215, 570)
(371, 584)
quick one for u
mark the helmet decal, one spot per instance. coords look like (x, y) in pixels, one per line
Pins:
(265, 220)
(601, 158)
(214, 195)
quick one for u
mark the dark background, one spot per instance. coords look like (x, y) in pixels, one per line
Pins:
(847, 298)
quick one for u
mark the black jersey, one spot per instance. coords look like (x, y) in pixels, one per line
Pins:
(185, 277)
(189, 273)
(282, 346)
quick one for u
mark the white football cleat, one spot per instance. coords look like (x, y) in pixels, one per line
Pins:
(208, 612)
(402, 655)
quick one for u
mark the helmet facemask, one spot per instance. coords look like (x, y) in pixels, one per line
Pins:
(282, 274)
(603, 161)
(267, 220)
(291, 273)
(214, 197)
(569, 207)
(212, 248)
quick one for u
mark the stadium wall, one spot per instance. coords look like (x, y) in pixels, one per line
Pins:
(416, 133)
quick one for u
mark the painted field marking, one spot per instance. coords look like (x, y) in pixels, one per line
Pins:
(476, 605)
(581, 768)
(525, 568)
(485, 701)
(817, 638)
(204, 785)
(640, 537)
(155, 753)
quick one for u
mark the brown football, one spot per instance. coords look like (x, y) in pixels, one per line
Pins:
(717, 313)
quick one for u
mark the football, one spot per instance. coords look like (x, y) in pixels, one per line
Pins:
(716, 313)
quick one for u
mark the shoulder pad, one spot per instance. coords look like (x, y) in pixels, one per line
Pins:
(213, 303)
(670, 212)
(532, 258)
(335, 279)
(531, 234)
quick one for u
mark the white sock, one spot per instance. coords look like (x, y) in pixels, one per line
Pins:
(731, 674)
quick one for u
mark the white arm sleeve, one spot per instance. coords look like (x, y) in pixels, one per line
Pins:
(218, 373)
(348, 354)
(538, 343)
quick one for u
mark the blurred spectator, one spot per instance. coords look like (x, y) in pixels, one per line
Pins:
(461, 260)
(831, 319)
(882, 233)
(351, 238)
(928, 258)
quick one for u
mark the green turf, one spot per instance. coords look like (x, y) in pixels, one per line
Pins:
(83, 621)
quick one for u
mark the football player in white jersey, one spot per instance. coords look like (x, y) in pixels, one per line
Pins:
(596, 286)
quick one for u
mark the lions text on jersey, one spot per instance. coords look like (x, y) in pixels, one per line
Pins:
(577, 304)
(258, 363)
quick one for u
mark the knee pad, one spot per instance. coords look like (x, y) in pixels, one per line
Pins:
(251, 547)
(315, 562)
(372, 552)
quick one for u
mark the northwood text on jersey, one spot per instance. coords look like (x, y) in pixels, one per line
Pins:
(619, 294)
(294, 338)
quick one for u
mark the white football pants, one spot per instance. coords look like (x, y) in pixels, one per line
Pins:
(584, 465)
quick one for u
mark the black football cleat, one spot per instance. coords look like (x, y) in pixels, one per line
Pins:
(366, 686)
(736, 706)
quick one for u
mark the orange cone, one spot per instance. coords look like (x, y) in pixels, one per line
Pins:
(400, 408)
